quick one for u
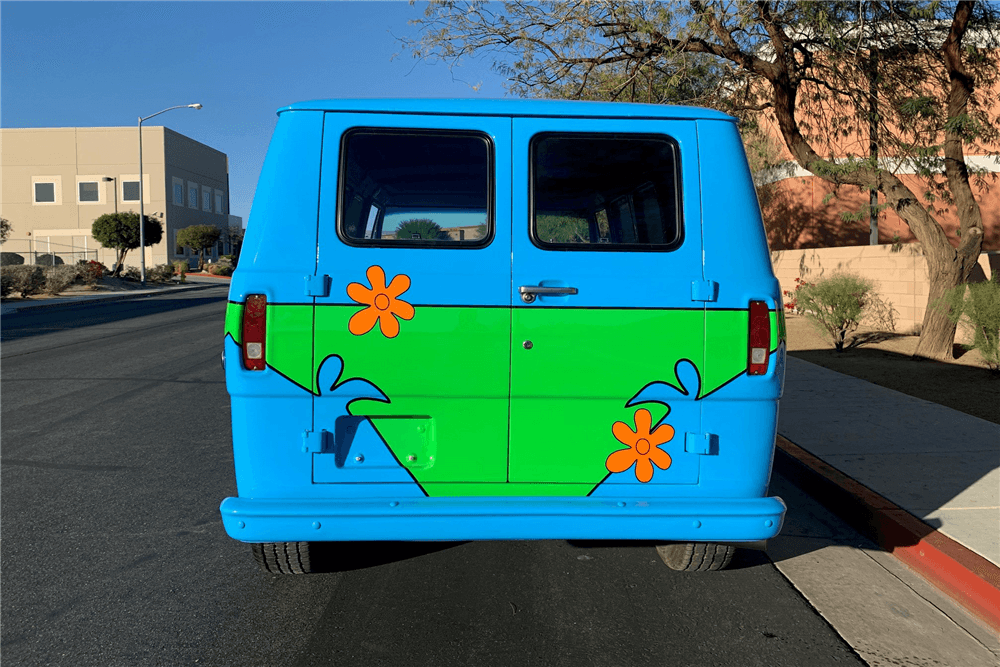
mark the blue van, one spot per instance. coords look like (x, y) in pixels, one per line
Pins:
(504, 319)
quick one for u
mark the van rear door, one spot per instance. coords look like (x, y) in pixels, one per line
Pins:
(608, 316)
(412, 322)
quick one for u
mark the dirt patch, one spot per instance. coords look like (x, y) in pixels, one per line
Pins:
(963, 384)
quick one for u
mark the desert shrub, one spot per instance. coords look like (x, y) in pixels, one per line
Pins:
(132, 273)
(90, 271)
(839, 304)
(220, 269)
(58, 278)
(27, 279)
(11, 259)
(49, 260)
(792, 304)
(161, 273)
(977, 307)
(181, 268)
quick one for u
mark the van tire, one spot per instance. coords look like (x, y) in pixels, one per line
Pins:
(283, 557)
(695, 556)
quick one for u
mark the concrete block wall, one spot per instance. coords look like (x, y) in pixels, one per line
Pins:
(901, 274)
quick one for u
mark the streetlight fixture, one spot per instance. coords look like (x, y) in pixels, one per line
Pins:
(114, 189)
(142, 216)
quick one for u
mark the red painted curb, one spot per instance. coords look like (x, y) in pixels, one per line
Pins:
(970, 579)
(208, 275)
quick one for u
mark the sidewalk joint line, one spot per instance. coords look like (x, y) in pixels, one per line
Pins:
(920, 595)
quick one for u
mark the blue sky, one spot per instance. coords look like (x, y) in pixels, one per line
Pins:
(67, 64)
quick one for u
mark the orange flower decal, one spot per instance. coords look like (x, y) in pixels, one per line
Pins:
(384, 305)
(643, 446)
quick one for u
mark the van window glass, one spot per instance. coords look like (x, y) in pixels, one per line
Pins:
(416, 188)
(605, 192)
(372, 219)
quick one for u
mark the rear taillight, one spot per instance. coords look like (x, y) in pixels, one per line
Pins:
(254, 331)
(758, 352)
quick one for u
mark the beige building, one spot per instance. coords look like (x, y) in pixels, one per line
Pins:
(57, 181)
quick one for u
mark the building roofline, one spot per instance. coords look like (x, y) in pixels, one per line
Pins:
(115, 128)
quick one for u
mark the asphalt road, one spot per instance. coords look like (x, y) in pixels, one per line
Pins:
(116, 454)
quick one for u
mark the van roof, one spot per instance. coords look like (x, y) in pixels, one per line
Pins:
(510, 107)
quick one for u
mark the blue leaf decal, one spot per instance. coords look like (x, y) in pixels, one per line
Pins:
(354, 388)
(661, 392)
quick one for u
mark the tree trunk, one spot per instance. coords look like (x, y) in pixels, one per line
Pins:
(950, 267)
(119, 263)
(937, 333)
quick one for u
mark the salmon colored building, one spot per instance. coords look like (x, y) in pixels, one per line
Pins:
(804, 211)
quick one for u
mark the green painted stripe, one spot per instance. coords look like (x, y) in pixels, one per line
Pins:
(441, 490)
(448, 376)
(234, 320)
(288, 343)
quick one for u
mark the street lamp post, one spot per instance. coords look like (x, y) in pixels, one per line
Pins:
(142, 216)
(114, 189)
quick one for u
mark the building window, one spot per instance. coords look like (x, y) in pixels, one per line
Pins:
(178, 192)
(130, 190)
(218, 201)
(192, 195)
(89, 192)
(45, 193)
(206, 199)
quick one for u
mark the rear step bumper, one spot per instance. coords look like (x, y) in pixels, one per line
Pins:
(502, 518)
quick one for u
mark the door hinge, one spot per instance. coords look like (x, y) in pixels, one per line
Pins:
(313, 441)
(704, 290)
(701, 443)
(317, 285)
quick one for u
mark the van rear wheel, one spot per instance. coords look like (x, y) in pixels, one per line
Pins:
(283, 557)
(695, 556)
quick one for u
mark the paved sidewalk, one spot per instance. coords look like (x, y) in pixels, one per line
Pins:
(199, 282)
(939, 465)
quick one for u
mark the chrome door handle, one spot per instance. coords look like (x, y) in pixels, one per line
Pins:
(530, 292)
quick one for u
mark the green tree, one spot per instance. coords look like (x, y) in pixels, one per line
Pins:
(199, 238)
(121, 231)
(5, 229)
(911, 80)
(234, 234)
(563, 228)
(421, 228)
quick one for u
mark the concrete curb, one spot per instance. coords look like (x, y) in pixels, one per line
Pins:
(970, 579)
(70, 301)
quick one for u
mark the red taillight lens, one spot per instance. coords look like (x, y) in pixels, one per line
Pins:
(759, 347)
(254, 330)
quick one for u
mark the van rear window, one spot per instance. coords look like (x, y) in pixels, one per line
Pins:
(605, 192)
(416, 188)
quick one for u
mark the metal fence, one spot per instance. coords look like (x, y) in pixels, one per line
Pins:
(40, 251)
